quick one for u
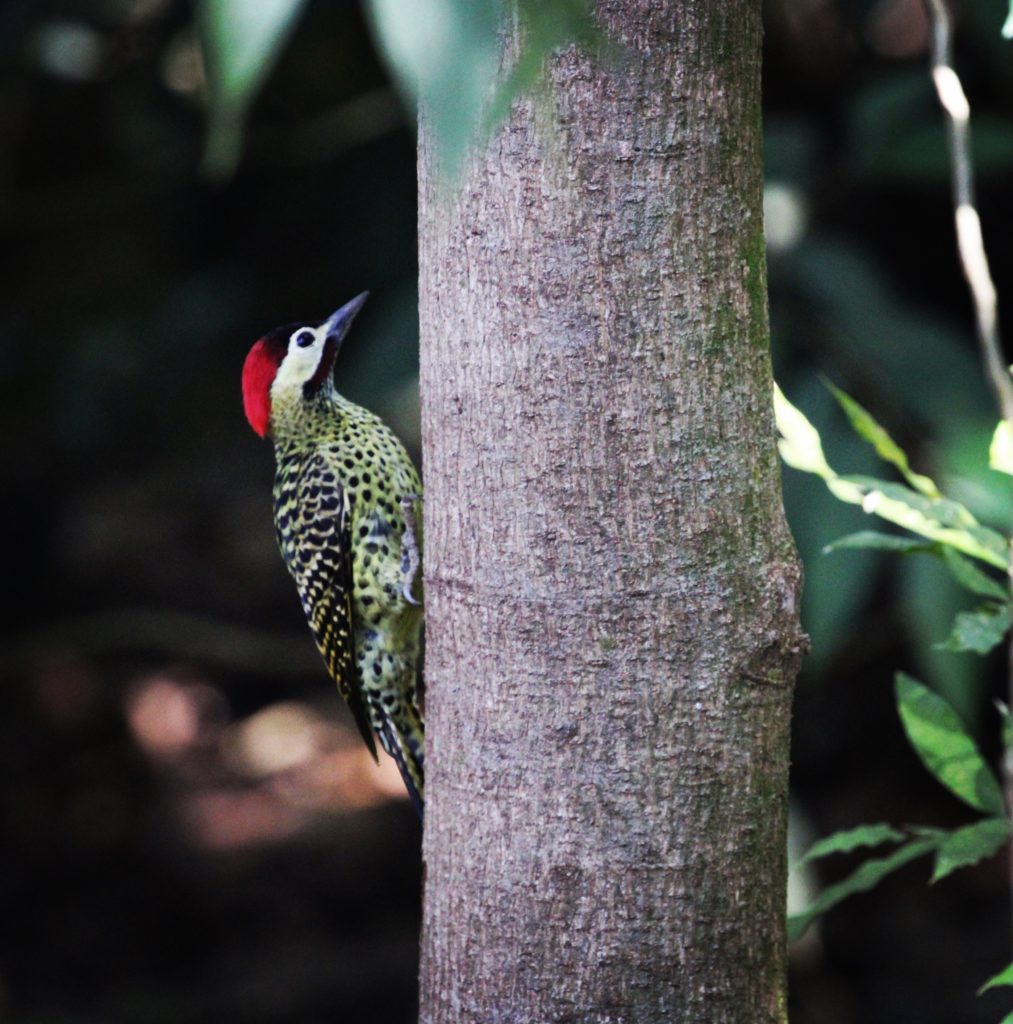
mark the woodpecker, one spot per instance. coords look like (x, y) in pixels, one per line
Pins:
(345, 494)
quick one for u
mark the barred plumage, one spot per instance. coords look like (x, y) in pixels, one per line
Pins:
(341, 483)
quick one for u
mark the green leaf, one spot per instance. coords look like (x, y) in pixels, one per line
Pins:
(834, 594)
(964, 571)
(1007, 29)
(937, 835)
(965, 846)
(851, 839)
(446, 54)
(939, 519)
(863, 878)
(940, 740)
(865, 426)
(929, 600)
(1004, 977)
(546, 27)
(800, 444)
(241, 41)
(968, 575)
(944, 511)
(881, 542)
(801, 448)
(978, 631)
(1000, 451)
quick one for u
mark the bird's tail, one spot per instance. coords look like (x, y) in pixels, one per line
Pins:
(402, 734)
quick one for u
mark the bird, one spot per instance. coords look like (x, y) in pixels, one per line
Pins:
(347, 516)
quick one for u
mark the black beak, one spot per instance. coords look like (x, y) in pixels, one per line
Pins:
(337, 324)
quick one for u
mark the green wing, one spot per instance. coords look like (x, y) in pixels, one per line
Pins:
(315, 535)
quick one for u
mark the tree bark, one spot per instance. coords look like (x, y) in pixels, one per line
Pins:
(611, 589)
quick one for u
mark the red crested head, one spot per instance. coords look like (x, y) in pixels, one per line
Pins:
(294, 362)
(259, 371)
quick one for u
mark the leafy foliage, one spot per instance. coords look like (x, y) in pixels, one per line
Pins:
(545, 28)
(1004, 977)
(1000, 451)
(946, 750)
(945, 530)
(862, 879)
(886, 448)
(968, 845)
(964, 571)
(978, 631)
(874, 540)
(939, 519)
(852, 839)
(241, 42)
(953, 849)
(442, 53)
(969, 576)
(446, 55)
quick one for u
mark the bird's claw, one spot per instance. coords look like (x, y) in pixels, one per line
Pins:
(410, 559)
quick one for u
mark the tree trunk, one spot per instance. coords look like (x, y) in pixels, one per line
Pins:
(610, 585)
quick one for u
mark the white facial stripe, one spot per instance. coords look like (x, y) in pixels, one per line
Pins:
(299, 364)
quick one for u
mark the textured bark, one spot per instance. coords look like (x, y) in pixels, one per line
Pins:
(610, 586)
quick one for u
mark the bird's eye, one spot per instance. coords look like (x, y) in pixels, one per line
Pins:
(304, 339)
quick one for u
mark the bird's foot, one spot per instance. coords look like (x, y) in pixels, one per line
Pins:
(410, 559)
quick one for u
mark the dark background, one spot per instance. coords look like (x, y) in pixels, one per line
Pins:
(191, 830)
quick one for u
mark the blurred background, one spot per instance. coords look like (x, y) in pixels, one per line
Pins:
(191, 829)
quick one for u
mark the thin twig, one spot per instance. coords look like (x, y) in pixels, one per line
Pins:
(969, 240)
(971, 247)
